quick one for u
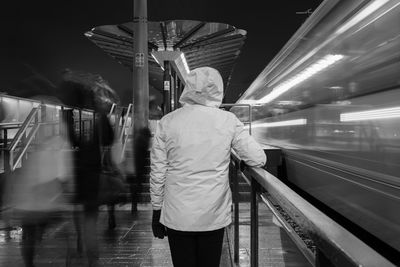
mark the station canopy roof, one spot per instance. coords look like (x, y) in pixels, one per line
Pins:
(215, 45)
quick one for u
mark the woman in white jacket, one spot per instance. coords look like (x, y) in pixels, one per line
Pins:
(189, 182)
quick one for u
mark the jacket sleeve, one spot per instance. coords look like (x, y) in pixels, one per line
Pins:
(158, 157)
(246, 146)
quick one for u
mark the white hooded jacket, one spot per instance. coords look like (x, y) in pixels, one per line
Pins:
(190, 157)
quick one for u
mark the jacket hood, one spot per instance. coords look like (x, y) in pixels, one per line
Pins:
(204, 86)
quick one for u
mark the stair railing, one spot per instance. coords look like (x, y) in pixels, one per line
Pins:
(124, 138)
(31, 120)
(112, 109)
(121, 136)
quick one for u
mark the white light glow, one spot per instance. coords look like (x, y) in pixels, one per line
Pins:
(185, 65)
(365, 12)
(52, 106)
(250, 101)
(280, 123)
(158, 62)
(374, 114)
(89, 34)
(9, 100)
(300, 77)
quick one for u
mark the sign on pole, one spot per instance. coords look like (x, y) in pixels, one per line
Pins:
(139, 60)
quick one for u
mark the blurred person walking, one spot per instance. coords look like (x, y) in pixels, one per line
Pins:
(189, 182)
(89, 91)
(141, 161)
(88, 161)
(35, 192)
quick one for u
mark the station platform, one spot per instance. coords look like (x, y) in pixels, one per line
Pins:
(132, 243)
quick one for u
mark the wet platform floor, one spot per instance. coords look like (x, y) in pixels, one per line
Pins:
(132, 243)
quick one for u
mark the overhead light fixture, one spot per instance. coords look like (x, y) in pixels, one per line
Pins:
(185, 65)
(158, 62)
(373, 114)
(300, 77)
(336, 87)
(280, 123)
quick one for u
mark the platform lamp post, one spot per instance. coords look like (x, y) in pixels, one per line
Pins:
(140, 72)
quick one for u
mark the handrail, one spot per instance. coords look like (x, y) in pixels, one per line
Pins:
(32, 134)
(121, 138)
(23, 128)
(6, 124)
(334, 243)
(11, 160)
(129, 130)
(112, 109)
(28, 122)
(10, 126)
(125, 121)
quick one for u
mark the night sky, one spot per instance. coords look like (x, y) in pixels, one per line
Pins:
(44, 37)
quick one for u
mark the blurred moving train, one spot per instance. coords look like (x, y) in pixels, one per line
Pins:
(331, 100)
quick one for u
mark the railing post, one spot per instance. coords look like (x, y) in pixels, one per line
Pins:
(254, 223)
(80, 125)
(23, 143)
(236, 213)
(42, 130)
(7, 168)
(60, 124)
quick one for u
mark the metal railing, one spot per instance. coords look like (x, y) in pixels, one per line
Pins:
(124, 138)
(336, 246)
(4, 130)
(112, 109)
(33, 116)
(128, 111)
(123, 131)
(15, 146)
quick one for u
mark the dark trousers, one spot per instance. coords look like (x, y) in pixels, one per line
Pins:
(34, 224)
(195, 249)
(31, 234)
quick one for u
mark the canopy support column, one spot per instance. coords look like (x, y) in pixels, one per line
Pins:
(167, 88)
(140, 115)
(140, 67)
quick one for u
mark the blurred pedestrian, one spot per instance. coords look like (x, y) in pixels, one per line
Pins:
(141, 157)
(189, 183)
(88, 91)
(88, 161)
(35, 191)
